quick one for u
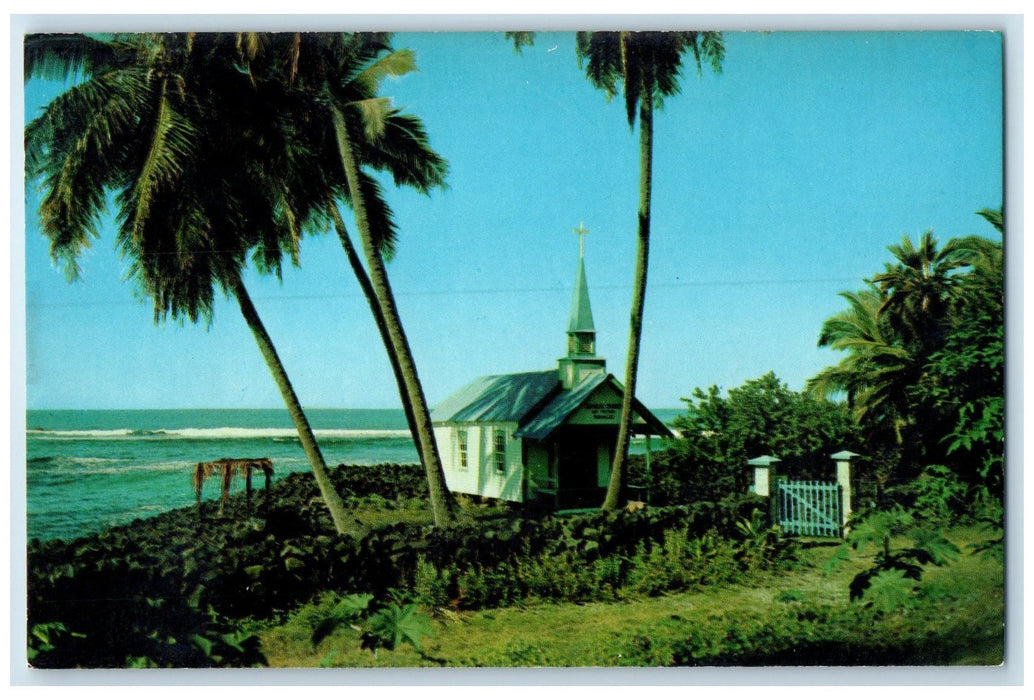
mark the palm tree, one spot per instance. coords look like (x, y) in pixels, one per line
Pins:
(161, 121)
(875, 369)
(648, 65)
(891, 333)
(337, 78)
(920, 286)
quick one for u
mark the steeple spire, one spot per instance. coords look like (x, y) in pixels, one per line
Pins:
(581, 331)
(580, 321)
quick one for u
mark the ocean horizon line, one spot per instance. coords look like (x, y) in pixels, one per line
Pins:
(258, 408)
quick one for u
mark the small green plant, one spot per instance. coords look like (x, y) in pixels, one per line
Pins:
(391, 625)
(889, 583)
(789, 596)
(761, 542)
(46, 637)
(386, 625)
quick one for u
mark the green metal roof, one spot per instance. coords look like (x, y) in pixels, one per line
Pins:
(561, 406)
(580, 320)
(534, 400)
(497, 398)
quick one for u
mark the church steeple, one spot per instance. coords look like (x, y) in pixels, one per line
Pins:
(581, 333)
(581, 357)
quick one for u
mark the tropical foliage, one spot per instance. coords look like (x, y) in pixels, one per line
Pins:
(164, 122)
(225, 147)
(896, 569)
(718, 434)
(924, 365)
(172, 590)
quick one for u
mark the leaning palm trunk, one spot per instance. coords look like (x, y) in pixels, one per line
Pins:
(635, 329)
(442, 505)
(382, 325)
(319, 467)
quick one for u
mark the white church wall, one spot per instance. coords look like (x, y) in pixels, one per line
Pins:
(460, 479)
(504, 483)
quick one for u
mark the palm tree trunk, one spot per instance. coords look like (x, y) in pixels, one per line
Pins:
(635, 329)
(319, 467)
(442, 504)
(382, 326)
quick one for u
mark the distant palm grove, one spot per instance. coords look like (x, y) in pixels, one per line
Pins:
(224, 151)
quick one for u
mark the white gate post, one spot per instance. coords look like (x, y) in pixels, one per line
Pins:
(765, 483)
(843, 460)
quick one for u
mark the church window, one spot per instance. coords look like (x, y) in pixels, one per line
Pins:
(461, 441)
(500, 450)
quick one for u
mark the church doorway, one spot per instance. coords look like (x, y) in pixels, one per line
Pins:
(583, 465)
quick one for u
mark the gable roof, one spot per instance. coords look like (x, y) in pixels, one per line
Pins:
(534, 400)
(497, 398)
(561, 406)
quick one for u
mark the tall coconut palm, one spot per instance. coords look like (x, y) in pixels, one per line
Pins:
(337, 77)
(160, 121)
(920, 285)
(648, 65)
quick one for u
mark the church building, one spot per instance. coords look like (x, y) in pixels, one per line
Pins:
(546, 437)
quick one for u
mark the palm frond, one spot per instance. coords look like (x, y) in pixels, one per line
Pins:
(404, 151)
(994, 217)
(381, 220)
(395, 65)
(521, 39)
(169, 145)
(62, 56)
(373, 114)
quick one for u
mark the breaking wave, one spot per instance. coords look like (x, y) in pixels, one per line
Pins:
(227, 433)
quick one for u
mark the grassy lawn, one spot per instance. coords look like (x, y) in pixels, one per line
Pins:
(799, 617)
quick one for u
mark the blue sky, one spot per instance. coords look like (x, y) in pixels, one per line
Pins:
(777, 184)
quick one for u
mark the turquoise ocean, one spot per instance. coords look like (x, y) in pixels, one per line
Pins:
(90, 470)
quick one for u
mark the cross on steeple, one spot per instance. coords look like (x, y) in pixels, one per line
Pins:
(582, 232)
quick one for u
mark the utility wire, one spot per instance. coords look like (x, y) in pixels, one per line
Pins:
(499, 290)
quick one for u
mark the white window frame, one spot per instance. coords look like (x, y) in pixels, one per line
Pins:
(462, 445)
(499, 450)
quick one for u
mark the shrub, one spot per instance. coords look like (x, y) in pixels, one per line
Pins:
(164, 578)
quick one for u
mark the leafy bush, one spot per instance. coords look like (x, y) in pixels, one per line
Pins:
(886, 584)
(937, 496)
(166, 591)
(718, 434)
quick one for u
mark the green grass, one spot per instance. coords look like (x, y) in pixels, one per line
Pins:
(799, 617)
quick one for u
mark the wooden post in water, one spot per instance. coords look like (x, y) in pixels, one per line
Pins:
(843, 461)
